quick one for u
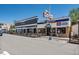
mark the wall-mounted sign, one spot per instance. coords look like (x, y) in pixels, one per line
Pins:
(62, 23)
(58, 23)
(53, 25)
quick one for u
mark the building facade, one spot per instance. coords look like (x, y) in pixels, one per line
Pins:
(75, 29)
(27, 26)
(5, 27)
(59, 27)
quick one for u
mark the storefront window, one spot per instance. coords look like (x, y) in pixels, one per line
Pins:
(24, 30)
(34, 30)
(27, 30)
(53, 30)
(41, 30)
(61, 30)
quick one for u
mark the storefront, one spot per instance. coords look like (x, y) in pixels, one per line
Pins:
(41, 28)
(60, 27)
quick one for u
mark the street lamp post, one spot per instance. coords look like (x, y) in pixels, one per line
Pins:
(49, 31)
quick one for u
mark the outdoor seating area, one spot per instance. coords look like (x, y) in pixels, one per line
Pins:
(74, 39)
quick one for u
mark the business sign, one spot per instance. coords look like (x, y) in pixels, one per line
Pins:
(63, 23)
(53, 25)
(60, 24)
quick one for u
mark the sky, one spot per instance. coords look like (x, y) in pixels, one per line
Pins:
(11, 12)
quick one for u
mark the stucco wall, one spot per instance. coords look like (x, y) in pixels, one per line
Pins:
(75, 29)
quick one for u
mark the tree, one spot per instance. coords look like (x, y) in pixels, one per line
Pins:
(74, 15)
(12, 27)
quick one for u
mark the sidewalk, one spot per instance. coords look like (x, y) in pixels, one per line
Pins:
(53, 37)
(61, 38)
(57, 38)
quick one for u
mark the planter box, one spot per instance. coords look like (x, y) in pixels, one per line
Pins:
(75, 41)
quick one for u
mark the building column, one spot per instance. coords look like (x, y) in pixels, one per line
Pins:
(56, 31)
(67, 31)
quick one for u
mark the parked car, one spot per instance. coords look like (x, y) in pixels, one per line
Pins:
(1, 33)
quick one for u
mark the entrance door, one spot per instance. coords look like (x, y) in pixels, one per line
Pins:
(48, 31)
(27, 30)
(54, 31)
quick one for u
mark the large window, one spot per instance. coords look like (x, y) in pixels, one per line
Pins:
(41, 30)
(24, 30)
(53, 30)
(61, 30)
(31, 21)
(34, 30)
(28, 31)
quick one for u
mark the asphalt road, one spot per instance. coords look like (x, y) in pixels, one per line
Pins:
(19, 45)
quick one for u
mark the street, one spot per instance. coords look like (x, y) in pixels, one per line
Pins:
(19, 45)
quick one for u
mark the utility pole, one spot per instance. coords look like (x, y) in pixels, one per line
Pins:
(70, 30)
(47, 15)
(50, 36)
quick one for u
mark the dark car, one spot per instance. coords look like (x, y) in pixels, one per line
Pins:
(1, 33)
